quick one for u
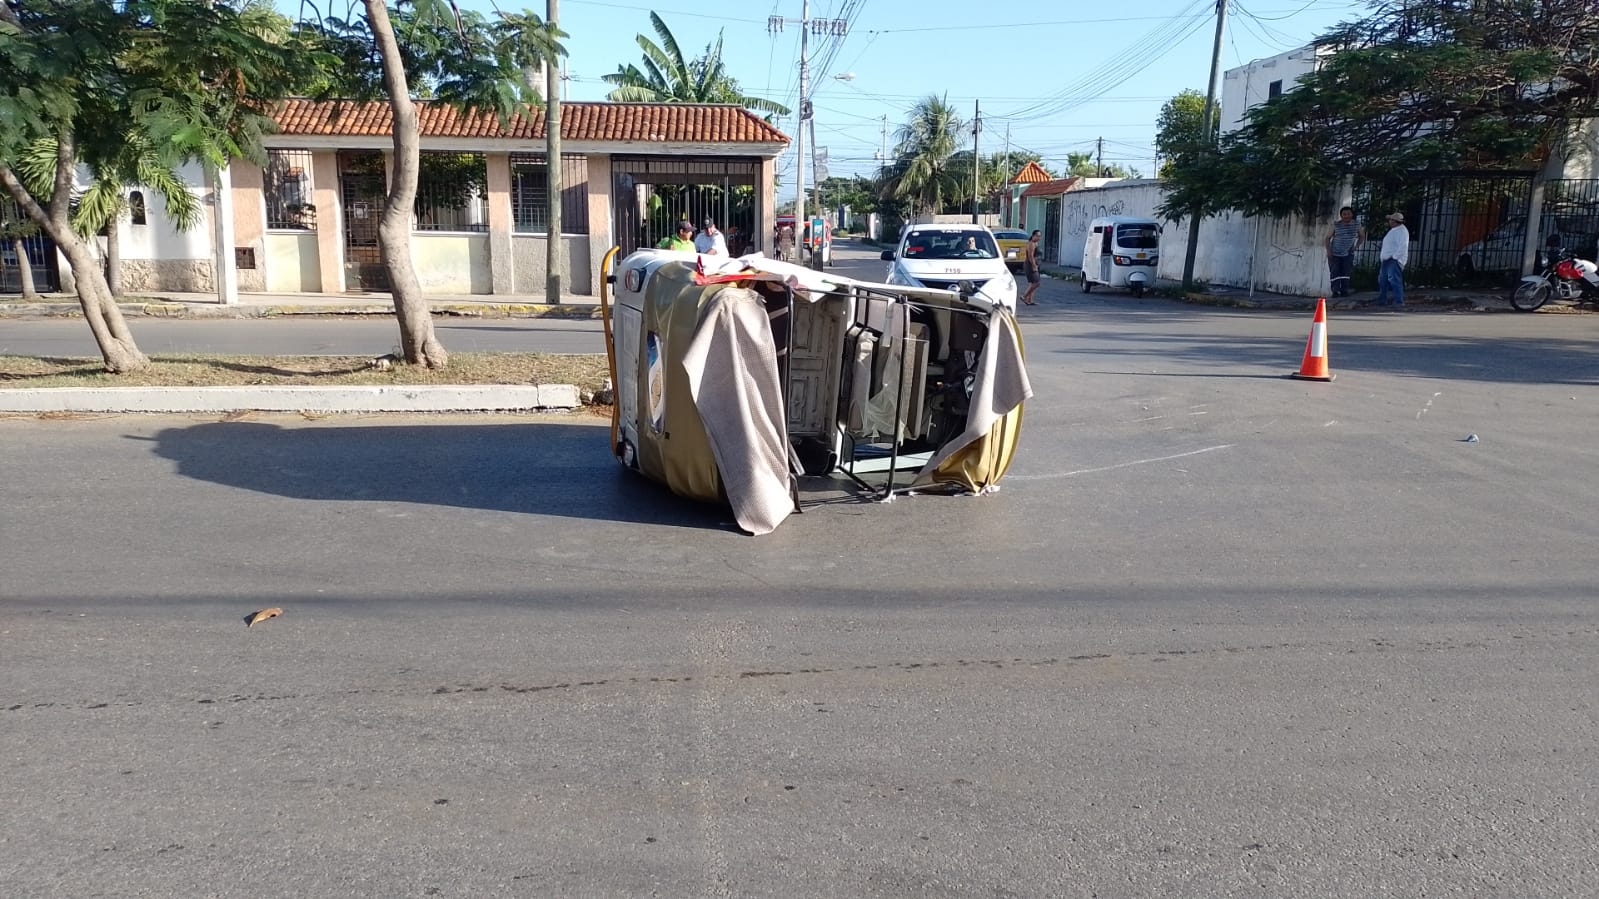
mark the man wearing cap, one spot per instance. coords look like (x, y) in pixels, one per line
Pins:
(1392, 257)
(682, 241)
(711, 241)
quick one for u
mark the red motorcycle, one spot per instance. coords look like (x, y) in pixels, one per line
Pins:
(1565, 278)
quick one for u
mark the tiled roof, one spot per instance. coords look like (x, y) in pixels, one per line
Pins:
(1050, 188)
(1031, 173)
(599, 122)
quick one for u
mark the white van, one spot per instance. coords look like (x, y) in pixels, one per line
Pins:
(941, 256)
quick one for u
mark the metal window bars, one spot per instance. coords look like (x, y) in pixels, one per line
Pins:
(286, 186)
(530, 194)
(452, 192)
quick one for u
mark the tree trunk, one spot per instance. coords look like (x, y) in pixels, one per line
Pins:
(113, 256)
(30, 291)
(111, 333)
(418, 344)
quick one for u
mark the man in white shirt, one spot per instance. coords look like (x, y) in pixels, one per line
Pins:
(1392, 257)
(711, 241)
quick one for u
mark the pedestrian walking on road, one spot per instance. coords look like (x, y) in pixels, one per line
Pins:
(1030, 264)
(1345, 237)
(1392, 257)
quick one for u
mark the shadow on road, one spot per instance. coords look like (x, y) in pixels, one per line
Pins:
(536, 468)
(1500, 360)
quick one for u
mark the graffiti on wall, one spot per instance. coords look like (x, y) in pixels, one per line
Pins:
(1080, 212)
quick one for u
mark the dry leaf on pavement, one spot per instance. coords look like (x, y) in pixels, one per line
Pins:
(254, 618)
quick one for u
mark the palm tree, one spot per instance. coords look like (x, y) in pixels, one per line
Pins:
(921, 173)
(102, 206)
(669, 78)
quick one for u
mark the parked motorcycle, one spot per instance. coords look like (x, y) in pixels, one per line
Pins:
(1565, 278)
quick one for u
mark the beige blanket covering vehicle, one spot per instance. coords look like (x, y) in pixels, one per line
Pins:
(733, 377)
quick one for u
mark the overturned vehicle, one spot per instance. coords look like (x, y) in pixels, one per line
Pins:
(734, 377)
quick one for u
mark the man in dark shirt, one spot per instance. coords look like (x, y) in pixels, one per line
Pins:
(1346, 235)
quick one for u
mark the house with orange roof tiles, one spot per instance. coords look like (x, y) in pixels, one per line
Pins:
(306, 221)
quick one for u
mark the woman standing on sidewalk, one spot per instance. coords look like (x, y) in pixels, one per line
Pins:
(1031, 265)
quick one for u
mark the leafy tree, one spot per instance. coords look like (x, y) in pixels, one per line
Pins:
(921, 175)
(1417, 86)
(667, 77)
(1179, 132)
(459, 58)
(1083, 165)
(858, 193)
(90, 82)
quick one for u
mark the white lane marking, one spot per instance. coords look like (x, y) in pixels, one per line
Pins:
(1429, 405)
(1072, 474)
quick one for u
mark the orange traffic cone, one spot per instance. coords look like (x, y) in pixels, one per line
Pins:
(1314, 368)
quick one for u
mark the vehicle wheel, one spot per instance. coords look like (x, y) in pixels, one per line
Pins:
(1467, 265)
(1529, 296)
(1138, 291)
(628, 455)
(1086, 285)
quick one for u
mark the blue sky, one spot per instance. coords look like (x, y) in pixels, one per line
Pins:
(1058, 76)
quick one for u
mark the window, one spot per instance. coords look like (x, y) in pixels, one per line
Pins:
(530, 194)
(451, 189)
(136, 207)
(1138, 237)
(286, 184)
(1275, 89)
(950, 243)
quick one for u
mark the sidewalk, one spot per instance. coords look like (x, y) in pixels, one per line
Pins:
(270, 305)
(307, 400)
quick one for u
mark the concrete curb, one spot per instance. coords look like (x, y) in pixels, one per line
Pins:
(423, 398)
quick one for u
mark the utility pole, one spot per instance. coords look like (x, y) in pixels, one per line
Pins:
(882, 155)
(555, 257)
(1099, 165)
(977, 129)
(836, 28)
(1208, 138)
(1007, 210)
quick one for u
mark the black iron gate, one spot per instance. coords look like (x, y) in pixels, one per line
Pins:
(650, 195)
(363, 187)
(1051, 237)
(38, 254)
(35, 252)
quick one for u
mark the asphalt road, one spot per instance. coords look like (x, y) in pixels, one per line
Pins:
(1220, 633)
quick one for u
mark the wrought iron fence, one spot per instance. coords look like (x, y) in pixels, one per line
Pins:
(530, 194)
(651, 195)
(24, 247)
(451, 192)
(1466, 229)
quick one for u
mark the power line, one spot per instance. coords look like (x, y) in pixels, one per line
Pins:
(1139, 56)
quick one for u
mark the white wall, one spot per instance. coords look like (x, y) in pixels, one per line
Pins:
(1283, 256)
(452, 263)
(291, 261)
(1080, 207)
(159, 238)
(1249, 85)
